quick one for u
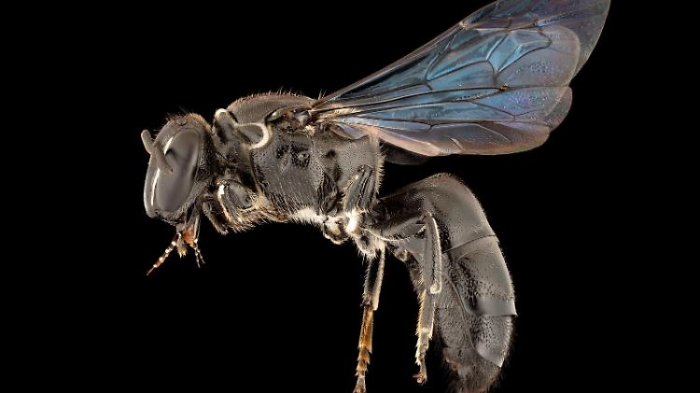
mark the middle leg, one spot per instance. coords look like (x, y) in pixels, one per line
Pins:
(370, 303)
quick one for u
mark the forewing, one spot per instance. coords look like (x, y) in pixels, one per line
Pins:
(495, 83)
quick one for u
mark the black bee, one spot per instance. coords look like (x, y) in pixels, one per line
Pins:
(495, 83)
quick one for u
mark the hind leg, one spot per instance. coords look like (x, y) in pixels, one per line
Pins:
(428, 278)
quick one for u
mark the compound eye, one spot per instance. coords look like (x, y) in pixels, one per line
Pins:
(182, 156)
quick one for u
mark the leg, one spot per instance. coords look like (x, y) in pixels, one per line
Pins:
(416, 224)
(370, 302)
(359, 196)
(215, 217)
(424, 331)
(361, 190)
(424, 225)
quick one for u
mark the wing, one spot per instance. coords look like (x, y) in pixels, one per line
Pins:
(495, 83)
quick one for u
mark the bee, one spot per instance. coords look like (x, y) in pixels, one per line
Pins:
(495, 83)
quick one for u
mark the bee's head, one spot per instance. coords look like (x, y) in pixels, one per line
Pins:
(179, 168)
(179, 171)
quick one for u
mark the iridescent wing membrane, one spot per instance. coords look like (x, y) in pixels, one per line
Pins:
(495, 83)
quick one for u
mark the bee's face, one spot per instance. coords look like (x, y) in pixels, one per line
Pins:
(178, 170)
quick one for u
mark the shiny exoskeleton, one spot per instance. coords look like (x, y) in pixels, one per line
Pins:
(495, 83)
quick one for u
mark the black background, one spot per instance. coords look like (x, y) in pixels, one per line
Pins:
(278, 306)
